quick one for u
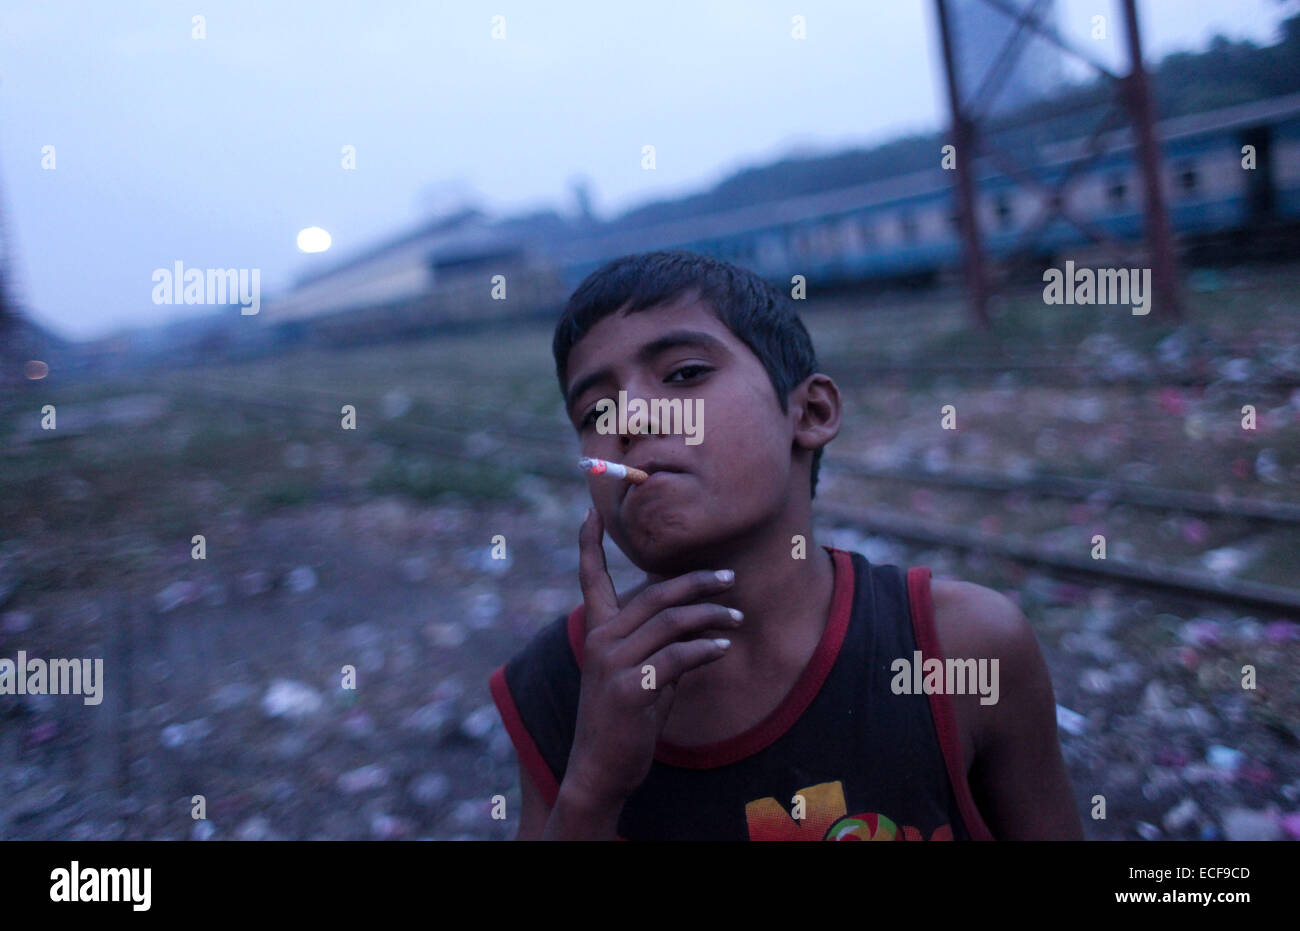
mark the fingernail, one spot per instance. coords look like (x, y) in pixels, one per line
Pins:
(736, 615)
(722, 642)
(725, 575)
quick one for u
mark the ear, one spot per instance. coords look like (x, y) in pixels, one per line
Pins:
(815, 406)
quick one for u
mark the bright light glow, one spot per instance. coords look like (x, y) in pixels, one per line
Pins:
(313, 239)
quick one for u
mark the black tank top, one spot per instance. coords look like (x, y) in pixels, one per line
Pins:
(855, 760)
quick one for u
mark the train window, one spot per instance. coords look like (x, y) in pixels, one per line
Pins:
(1002, 207)
(1188, 180)
(907, 223)
(1116, 191)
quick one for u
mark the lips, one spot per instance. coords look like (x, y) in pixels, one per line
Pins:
(655, 465)
(652, 468)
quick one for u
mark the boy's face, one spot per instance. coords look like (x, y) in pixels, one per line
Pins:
(740, 475)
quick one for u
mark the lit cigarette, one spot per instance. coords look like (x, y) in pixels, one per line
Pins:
(616, 469)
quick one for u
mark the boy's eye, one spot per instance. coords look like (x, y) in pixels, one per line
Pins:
(687, 371)
(589, 419)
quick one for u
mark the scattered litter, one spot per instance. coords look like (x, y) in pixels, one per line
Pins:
(357, 725)
(301, 580)
(232, 695)
(389, 827)
(433, 718)
(394, 404)
(430, 788)
(479, 723)
(255, 828)
(414, 568)
(363, 779)
(42, 733)
(1096, 681)
(175, 595)
(1181, 815)
(1070, 721)
(288, 699)
(1249, 824)
(180, 735)
(1200, 633)
(1226, 560)
(203, 830)
(1224, 758)
(254, 583)
(449, 635)
(17, 622)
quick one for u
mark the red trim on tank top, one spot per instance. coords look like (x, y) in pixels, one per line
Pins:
(529, 756)
(945, 722)
(796, 702)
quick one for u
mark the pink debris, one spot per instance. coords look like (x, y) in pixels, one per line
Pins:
(1195, 531)
(1280, 632)
(1171, 401)
(1256, 774)
(923, 501)
(1169, 757)
(990, 524)
(42, 733)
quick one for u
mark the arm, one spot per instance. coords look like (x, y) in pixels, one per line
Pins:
(1017, 775)
(533, 808)
(574, 817)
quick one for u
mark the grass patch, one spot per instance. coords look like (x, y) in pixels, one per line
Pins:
(429, 480)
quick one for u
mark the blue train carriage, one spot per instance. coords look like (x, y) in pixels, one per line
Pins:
(905, 226)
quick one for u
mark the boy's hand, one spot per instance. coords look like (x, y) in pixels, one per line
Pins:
(619, 721)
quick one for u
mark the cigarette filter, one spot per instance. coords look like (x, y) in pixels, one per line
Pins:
(615, 469)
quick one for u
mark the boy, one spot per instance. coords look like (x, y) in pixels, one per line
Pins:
(755, 685)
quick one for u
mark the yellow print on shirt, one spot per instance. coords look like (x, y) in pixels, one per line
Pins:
(826, 817)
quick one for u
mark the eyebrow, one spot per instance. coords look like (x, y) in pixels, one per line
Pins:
(673, 339)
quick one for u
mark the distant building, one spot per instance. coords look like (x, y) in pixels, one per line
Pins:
(444, 271)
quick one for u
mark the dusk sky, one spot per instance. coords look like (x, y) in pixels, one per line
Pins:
(216, 151)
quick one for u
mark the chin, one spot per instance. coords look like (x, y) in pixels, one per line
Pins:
(674, 544)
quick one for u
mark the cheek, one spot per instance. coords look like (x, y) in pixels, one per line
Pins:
(749, 450)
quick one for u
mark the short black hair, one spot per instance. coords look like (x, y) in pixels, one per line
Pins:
(759, 314)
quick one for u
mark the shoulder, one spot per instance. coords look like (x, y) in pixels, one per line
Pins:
(975, 622)
(536, 693)
(971, 620)
(546, 655)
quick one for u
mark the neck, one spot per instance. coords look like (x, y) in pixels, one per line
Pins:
(786, 600)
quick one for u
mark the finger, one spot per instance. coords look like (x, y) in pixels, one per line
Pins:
(681, 589)
(593, 575)
(679, 658)
(681, 622)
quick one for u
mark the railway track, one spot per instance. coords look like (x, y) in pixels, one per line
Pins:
(537, 449)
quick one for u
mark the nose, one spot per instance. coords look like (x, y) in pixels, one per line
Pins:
(635, 391)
